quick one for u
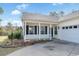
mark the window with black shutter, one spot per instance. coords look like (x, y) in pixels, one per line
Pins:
(43, 29)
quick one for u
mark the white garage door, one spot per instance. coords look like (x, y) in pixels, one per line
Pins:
(69, 33)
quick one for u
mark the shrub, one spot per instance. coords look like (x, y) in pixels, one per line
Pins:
(18, 35)
(10, 36)
(15, 35)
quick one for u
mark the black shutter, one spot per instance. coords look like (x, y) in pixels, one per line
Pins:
(35, 29)
(45, 29)
(27, 28)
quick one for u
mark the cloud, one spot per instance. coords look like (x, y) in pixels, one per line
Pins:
(19, 8)
(15, 12)
(22, 6)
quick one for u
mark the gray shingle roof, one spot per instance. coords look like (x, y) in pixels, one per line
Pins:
(38, 17)
(69, 16)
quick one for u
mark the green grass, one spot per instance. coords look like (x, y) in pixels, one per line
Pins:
(3, 40)
(6, 51)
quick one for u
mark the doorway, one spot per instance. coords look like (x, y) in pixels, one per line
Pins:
(52, 32)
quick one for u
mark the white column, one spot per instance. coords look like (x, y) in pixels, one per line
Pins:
(39, 31)
(50, 32)
(53, 31)
(25, 31)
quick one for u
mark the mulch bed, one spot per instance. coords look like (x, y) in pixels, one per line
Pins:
(21, 43)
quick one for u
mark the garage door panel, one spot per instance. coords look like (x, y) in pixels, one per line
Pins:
(70, 34)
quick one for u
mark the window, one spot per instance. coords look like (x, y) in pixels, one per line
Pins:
(66, 27)
(31, 29)
(43, 29)
(63, 27)
(75, 26)
(70, 27)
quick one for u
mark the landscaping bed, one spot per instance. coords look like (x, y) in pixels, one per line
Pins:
(8, 47)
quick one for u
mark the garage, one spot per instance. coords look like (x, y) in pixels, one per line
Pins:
(69, 28)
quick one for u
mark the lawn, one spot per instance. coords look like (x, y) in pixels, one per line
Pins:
(5, 51)
(3, 38)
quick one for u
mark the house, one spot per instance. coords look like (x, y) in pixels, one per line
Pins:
(38, 26)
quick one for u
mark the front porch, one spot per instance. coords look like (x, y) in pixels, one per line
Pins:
(39, 30)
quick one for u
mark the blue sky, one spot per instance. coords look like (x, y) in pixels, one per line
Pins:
(12, 10)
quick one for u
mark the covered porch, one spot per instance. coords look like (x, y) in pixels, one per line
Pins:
(36, 30)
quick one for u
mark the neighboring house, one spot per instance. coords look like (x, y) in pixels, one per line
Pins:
(37, 27)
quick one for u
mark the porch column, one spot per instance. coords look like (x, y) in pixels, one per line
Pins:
(53, 31)
(39, 31)
(25, 31)
(50, 32)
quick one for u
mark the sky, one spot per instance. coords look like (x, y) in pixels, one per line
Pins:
(12, 11)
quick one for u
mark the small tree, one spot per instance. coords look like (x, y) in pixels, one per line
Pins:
(1, 12)
(53, 14)
(61, 13)
(10, 27)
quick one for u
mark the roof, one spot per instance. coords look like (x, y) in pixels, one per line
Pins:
(70, 16)
(38, 17)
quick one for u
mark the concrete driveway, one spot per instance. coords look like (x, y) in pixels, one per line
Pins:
(53, 48)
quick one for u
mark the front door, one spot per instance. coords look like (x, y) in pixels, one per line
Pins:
(52, 32)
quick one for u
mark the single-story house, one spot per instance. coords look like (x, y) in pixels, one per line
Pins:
(38, 26)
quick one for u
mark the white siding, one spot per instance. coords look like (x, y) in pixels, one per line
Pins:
(36, 37)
